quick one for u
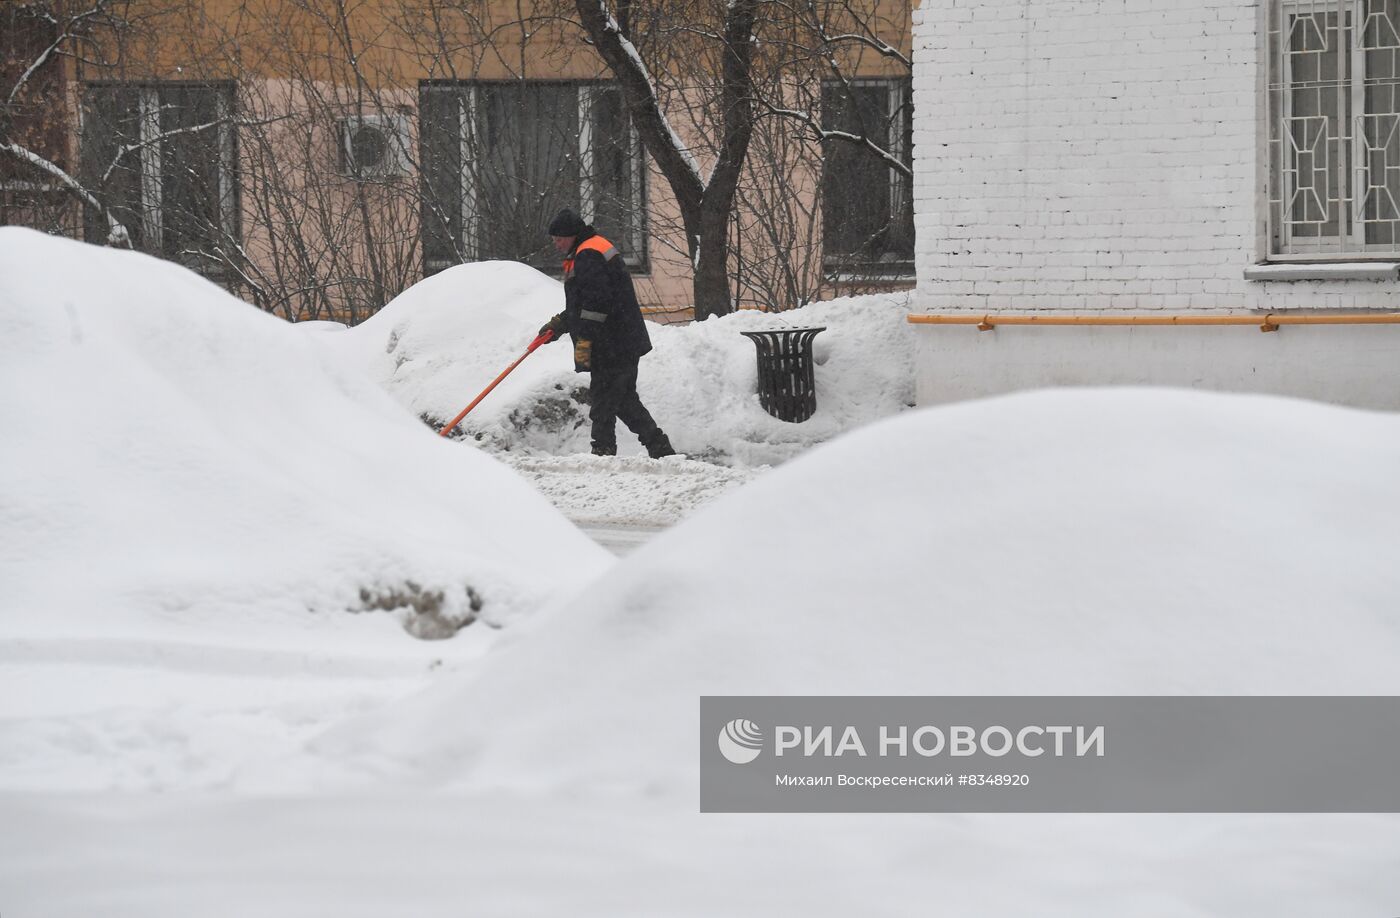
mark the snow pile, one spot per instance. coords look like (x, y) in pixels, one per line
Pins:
(439, 343)
(176, 463)
(213, 474)
(1066, 542)
(443, 340)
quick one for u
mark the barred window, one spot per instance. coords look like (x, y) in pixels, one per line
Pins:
(163, 157)
(1334, 129)
(868, 212)
(499, 159)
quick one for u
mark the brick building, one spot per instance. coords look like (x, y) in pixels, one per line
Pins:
(1201, 159)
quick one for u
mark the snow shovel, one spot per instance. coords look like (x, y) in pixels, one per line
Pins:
(545, 337)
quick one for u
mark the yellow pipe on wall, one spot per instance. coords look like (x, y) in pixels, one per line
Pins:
(1267, 322)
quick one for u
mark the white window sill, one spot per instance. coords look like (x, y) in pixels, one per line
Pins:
(1371, 270)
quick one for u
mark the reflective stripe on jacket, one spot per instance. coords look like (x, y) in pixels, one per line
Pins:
(600, 302)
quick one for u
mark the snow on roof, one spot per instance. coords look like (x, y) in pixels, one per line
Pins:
(1062, 542)
(175, 459)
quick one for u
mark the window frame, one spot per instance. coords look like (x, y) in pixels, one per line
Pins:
(152, 163)
(634, 248)
(847, 266)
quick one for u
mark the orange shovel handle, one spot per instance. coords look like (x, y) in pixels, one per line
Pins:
(544, 338)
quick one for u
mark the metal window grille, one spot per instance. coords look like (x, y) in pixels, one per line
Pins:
(1334, 129)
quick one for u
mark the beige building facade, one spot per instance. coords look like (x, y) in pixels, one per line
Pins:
(319, 156)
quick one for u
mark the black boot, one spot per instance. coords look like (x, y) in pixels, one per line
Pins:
(604, 450)
(658, 445)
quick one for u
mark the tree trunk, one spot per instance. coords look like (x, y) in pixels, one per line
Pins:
(706, 206)
(711, 281)
(712, 292)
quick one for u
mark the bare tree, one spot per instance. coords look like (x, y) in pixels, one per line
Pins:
(829, 42)
(289, 204)
(846, 93)
(725, 51)
(251, 165)
(777, 221)
(774, 95)
(41, 42)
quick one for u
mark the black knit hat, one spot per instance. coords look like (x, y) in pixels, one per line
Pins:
(566, 223)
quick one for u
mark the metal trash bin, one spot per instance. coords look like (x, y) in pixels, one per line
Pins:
(786, 387)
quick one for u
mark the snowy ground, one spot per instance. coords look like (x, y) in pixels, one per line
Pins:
(211, 522)
(419, 854)
(627, 493)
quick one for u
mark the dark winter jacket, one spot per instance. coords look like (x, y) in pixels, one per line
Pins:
(600, 303)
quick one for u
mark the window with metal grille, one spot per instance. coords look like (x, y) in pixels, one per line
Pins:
(163, 158)
(1334, 129)
(868, 212)
(500, 159)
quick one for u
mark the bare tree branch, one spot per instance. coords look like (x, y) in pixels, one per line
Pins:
(672, 155)
(117, 234)
(819, 134)
(128, 148)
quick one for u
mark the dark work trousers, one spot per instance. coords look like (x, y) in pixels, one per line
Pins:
(613, 392)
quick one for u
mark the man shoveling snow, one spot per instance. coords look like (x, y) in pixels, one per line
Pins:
(602, 315)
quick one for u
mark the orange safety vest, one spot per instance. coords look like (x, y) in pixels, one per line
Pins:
(591, 244)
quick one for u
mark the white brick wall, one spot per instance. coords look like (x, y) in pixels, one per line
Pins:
(1096, 154)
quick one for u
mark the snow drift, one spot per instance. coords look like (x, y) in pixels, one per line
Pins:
(439, 343)
(176, 462)
(1067, 542)
(213, 475)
